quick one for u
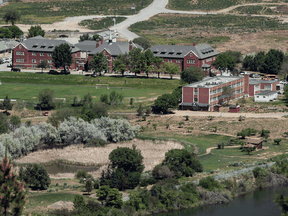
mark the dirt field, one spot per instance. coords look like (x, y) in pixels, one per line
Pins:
(153, 154)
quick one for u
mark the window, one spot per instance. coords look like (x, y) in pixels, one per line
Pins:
(178, 61)
(34, 54)
(75, 54)
(19, 60)
(77, 62)
(34, 61)
(196, 93)
(49, 54)
(104, 52)
(190, 61)
(191, 55)
(209, 59)
(257, 96)
(170, 60)
(264, 97)
(20, 47)
(49, 61)
(195, 99)
(41, 54)
(19, 53)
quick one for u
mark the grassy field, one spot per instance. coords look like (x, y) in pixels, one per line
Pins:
(95, 24)
(80, 80)
(208, 5)
(52, 11)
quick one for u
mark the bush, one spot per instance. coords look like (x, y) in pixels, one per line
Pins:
(96, 185)
(15, 122)
(154, 126)
(260, 173)
(36, 176)
(162, 172)
(28, 123)
(209, 183)
(140, 110)
(81, 174)
(143, 118)
(163, 103)
(277, 141)
(46, 100)
(181, 124)
(96, 142)
(88, 186)
(146, 182)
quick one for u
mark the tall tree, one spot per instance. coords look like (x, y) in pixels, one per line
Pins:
(122, 63)
(227, 92)
(5, 33)
(272, 62)
(12, 16)
(43, 64)
(172, 68)
(135, 55)
(4, 124)
(164, 102)
(192, 74)
(35, 31)
(16, 31)
(224, 61)
(143, 42)
(158, 65)
(12, 190)
(149, 61)
(99, 63)
(46, 99)
(6, 104)
(62, 56)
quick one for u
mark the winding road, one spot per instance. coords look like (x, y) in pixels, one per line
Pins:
(156, 7)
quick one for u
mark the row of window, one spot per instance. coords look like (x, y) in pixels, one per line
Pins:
(33, 53)
(35, 61)
(218, 97)
(231, 86)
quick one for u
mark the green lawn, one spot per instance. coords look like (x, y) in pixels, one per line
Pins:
(29, 92)
(51, 11)
(80, 80)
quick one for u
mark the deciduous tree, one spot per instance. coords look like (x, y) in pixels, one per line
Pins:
(272, 62)
(122, 63)
(224, 61)
(12, 16)
(16, 31)
(192, 74)
(164, 102)
(46, 99)
(62, 56)
(43, 64)
(35, 31)
(172, 68)
(5, 33)
(227, 92)
(135, 55)
(99, 63)
(143, 42)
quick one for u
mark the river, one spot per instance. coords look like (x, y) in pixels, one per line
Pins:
(253, 204)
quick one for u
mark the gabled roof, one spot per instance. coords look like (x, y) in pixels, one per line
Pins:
(5, 45)
(202, 51)
(115, 48)
(86, 45)
(40, 44)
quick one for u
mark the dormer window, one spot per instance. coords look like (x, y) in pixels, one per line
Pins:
(50, 47)
(104, 52)
(162, 53)
(155, 52)
(35, 46)
(191, 55)
(178, 53)
(43, 46)
(170, 53)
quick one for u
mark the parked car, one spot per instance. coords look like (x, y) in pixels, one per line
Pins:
(53, 72)
(16, 69)
(63, 72)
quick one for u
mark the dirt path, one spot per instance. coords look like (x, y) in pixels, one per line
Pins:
(208, 150)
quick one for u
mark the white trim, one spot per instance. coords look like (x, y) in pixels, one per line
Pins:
(189, 53)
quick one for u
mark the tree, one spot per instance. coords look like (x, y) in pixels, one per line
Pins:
(60, 115)
(62, 56)
(224, 61)
(15, 122)
(110, 196)
(99, 63)
(227, 92)
(43, 64)
(172, 68)
(236, 55)
(248, 63)
(127, 165)
(36, 175)
(140, 110)
(16, 31)
(248, 150)
(147, 61)
(12, 190)
(192, 74)
(182, 162)
(84, 37)
(88, 186)
(135, 55)
(164, 102)
(5, 33)
(277, 141)
(265, 134)
(122, 63)
(35, 31)
(93, 111)
(272, 62)
(158, 65)
(46, 99)
(6, 104)
(79, 202)
(12, 16)
(4, 124)
(143, 42)
(282, 202)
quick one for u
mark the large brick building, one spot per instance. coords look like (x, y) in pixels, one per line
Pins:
(201, 55)
(30, 52)
(206, 95)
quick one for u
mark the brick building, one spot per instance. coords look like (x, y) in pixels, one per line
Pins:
(206, 95)
(201, 55)
(30, 52)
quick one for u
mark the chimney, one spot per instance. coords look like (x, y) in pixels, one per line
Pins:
(130, 45)
(97, 43)
(194, 43)
(246, 84)
(102, 40)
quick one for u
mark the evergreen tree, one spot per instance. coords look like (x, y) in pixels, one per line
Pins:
(62, 56)
(12, 192)
(88, 186)
(114, 180)
(6, 105)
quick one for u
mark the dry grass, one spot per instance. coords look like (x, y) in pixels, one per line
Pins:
(153, 154)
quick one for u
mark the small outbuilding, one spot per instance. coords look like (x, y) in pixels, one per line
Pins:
(254, 143)
(234, 108)
(266, 96)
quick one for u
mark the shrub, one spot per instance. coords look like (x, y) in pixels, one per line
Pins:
(146, 182)
(15, 122)
(96, 142)
(88, 186)
(28, 123)
(211, 118)
(79, 202)
(143, 118)
(167, 126)
(140, 110)
(260, 173)
(162, 172)
(148, 111)
(36, 176)
(209, 183)
(96, 185)
(181, 124)
(81, 174)
(277, 141)
(155, 126)
(186, 118)
(46, 99)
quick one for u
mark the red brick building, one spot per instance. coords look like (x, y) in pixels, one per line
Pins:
(201, 55)
(30, 52)
(207, 94)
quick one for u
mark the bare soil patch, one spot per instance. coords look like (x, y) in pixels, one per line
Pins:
(153, 154)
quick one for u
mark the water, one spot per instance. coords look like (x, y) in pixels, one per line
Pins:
(258, 203)
(67, 168)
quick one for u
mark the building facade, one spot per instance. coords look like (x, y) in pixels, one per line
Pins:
(201, 55)
(206, 95)
(30, 52)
